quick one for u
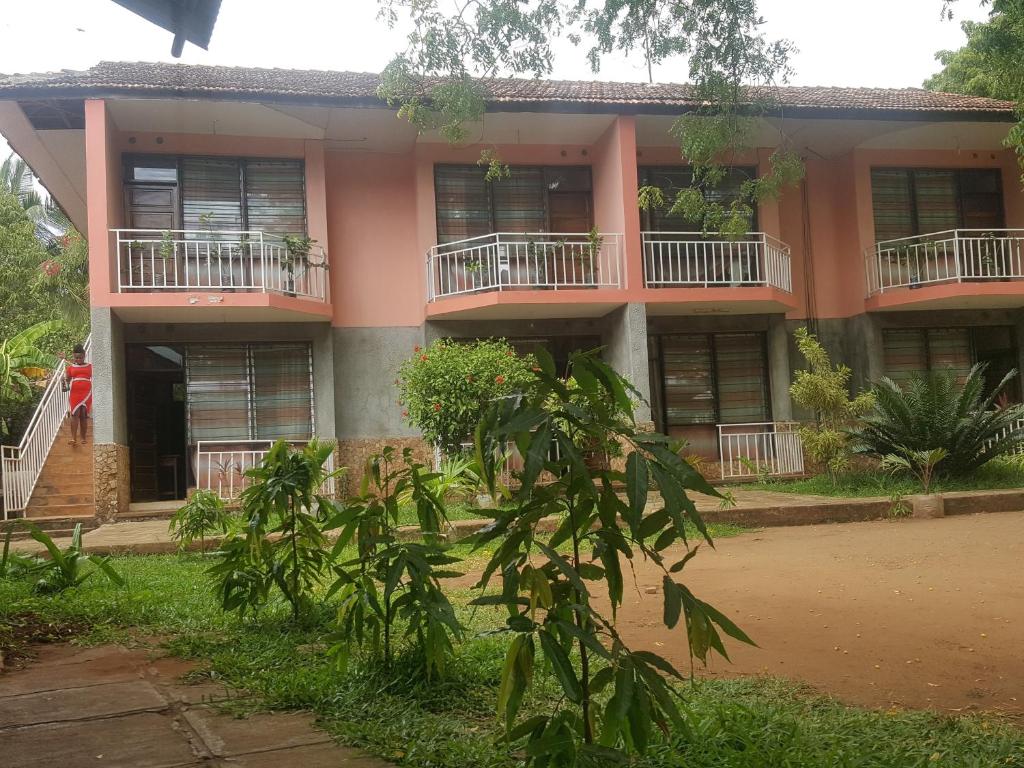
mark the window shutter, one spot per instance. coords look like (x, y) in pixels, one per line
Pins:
(217, 385)
(949, 349)
(742, 378)
(672, 179)
(520, 201)
(211, 194)
(689, 380)
(935, 193)
(463, 202)
(275, 196)
(893, 203)
(905, 353)
(282, 391)
(982, 199)
(730, 189)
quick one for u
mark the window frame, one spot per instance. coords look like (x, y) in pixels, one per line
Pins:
(130, 160)
(644, 173)
(959, 173)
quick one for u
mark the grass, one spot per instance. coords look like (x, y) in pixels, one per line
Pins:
(863, 483)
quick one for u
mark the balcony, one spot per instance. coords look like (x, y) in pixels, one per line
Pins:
(958, 268)
(515, 274)
(691, 272)
(223, 269)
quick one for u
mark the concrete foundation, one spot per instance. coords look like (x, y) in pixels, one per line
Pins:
(111, 480)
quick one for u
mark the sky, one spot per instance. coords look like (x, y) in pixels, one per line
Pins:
(884, 43)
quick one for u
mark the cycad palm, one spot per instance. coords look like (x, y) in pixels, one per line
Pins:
(935, 411)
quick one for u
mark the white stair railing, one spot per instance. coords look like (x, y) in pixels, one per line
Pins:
(22, 464)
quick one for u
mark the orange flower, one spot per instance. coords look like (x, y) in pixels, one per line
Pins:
(416, 348)
(423, 358)
(535, 369)
(405, 414)
(437, 406)
(469, 377)
(499, 379)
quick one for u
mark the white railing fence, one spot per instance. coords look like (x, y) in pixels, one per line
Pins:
(245, 261)
(692, 259)
(23, 463)
(747, 450)
(953, 256)
(507, 261)
(220, 465)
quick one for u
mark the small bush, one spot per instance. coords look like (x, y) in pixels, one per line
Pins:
(203, 514)
(446, 387)
(934, 411)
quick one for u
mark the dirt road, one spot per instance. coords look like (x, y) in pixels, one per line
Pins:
(913, 613)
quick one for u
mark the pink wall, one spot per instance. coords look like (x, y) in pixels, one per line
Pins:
(103, 195)
(615, 194)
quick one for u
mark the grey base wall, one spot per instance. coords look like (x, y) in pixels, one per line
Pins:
(109, 385)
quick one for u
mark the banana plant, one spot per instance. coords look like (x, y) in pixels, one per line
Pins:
(22, 363)
(64, 568)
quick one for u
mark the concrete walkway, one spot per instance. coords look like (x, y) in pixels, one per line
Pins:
(118, 708)
(752, 509)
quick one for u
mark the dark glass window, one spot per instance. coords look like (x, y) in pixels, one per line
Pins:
(673, 178)
(919, 201)
(530, 199)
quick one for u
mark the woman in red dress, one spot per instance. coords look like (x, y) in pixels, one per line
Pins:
(78, 377)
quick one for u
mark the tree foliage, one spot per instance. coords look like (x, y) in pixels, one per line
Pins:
(991, 63)
(553, 584)
(202, 515)
(823, 389)
(936, 410)
(23, 368)
(439, 82)
(446, 387)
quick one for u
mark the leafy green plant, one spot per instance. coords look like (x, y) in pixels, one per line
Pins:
(284, 543)
(935, 410)
(204, 513)
(921, 464)
(63, 569)
(447, 386)
(823, 390)
(551, 582)
(166, 245)
(393, 580)
(21, 364)
(453, 479)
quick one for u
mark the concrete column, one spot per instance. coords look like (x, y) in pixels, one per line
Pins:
(111, 480)
(779, 368)
(625, 341)
(325, 426)
(867, 350)
(1018, 332)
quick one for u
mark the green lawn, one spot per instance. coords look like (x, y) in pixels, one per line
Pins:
(450, 723)
(993, 476)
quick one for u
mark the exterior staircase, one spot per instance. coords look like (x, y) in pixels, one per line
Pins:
(65, 486)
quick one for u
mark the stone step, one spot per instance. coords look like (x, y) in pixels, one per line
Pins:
(62, 510)
(75, 485)
(55, 527)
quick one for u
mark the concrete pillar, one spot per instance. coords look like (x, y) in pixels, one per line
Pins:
(625, 342)
(111, 479)
(325, 426)
(1018, 333)
(779, 368)
(867, 351)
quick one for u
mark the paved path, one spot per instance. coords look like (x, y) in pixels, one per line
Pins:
(152, 536)
(117, 708)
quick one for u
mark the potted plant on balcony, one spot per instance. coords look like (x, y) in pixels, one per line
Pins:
(296, 250)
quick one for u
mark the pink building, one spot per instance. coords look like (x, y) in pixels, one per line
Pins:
(217, 329)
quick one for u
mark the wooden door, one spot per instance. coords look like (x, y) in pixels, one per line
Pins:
(571, 212)
(152, 207)
(143, 405)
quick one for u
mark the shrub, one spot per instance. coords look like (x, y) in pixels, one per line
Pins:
(446, 387)
(392, 579)
(555, 584)
(824, 391)
(64, 568)
(284, 544)
(203, 514)
(936, 411)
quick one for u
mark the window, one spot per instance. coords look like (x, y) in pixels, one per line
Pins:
(917, 350)
(221, 193)
(919, 201)
(671, 179)
(699, 381)
(531, 199)
(249, 391)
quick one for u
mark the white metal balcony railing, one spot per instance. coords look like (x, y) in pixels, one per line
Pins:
(953, 256)
(506, 261)
(692, 259)
(23, 463)
(243, 261)
(220, 465)
(747, 450)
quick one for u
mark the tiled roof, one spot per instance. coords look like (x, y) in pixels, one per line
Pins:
(317, 86)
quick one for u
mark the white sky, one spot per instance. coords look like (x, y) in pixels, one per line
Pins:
(887, 43)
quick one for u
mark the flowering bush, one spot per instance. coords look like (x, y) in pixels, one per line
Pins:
(446, 387)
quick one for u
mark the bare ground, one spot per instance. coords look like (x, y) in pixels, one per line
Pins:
(910, 613)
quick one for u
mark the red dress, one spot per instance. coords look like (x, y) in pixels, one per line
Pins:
(80, 395)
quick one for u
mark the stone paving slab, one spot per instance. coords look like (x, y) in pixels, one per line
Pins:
(121, 708)
(80, 703)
